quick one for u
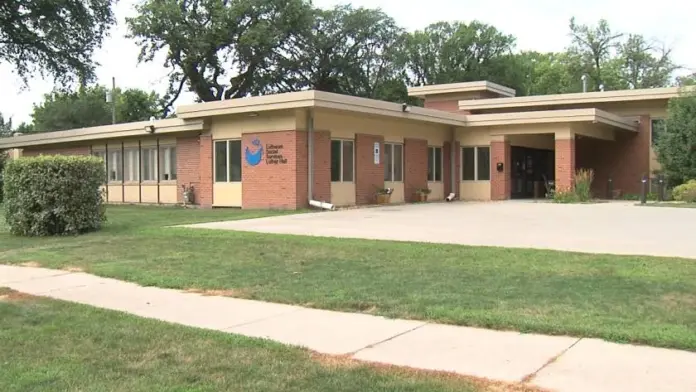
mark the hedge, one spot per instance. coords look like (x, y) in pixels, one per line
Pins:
(54, 195)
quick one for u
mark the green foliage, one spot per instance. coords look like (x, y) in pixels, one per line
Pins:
(581, 192)
(3, 160)
(56, 37)
(54, 195)
(676, 146)
(88, 108)
(685, 192)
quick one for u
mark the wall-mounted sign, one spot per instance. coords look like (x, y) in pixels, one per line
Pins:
(254, 155)
(376, 149)
(274, 154)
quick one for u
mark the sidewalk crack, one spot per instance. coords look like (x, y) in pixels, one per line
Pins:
(528, 378)
(387, 339)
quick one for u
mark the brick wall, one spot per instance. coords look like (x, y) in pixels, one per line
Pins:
(205, 187)
(269, 185)
(415, 167)
(447, 170)
(565, 163)
(74, 150)
(188, 171)
(322, 167)
(368, 176)
(500, 181)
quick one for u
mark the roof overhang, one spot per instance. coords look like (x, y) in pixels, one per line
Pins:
(571, 99)
(595, 116)
(467, 87)
(166, 126)
(318, 99)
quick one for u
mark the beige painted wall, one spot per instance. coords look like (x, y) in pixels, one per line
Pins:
(168, 194)
(343, 194)
(544, 142)
(227, 194)
(474, 136)
(437, 190)
(398, 195)
(131, 193)
(149, 193)
(233, 126)
(475, 190)
(115, 194)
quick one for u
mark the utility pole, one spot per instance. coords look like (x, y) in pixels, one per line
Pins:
(113, 100)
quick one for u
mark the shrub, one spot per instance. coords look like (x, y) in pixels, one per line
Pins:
(583, 184)
(679, 193)
(54, 195)
(565, 196)
(3, 159)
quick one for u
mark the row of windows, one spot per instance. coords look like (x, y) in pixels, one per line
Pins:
(144, 164)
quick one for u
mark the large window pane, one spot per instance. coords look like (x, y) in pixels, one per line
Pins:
(431, 163)
(398, 162)
(438, 163)
(347, 161)
(335, 160)
(168, 163)
(484, 163)
(130, 164)
(468, 168)
(148, 172)
(235, 160)
(221, 161)
(172, 163)
(388, 162)
(115, 168)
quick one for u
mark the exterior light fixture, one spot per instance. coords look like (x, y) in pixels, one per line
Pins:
(405, 108)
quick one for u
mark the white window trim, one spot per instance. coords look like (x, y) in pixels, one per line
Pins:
(442, 163)
(392, 161)
(227, 161)
(342, 141)
(476, 163)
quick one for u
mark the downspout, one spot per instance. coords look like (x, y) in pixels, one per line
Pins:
(453, 165)
(310, 166)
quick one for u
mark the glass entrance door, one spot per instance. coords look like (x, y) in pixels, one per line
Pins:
(530, 168)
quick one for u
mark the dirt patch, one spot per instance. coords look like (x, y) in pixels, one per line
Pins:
(336, 361)
(32, 264)
(73, 269)
(678, 300)
(7, 295)
(236, 293)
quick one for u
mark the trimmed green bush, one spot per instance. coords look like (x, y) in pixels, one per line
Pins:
(3, 159)
(685, 192)
(54, 195)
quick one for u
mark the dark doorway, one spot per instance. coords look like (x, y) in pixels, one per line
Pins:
(531, 167)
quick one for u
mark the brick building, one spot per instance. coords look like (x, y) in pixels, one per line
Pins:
(476, 140)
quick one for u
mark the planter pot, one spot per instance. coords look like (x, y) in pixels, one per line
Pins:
(383, 199)
(421, 197)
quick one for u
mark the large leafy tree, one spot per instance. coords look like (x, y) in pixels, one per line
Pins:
(53, 37)
(676, 146)
(447, 52)
(88, 107)
(218, 49)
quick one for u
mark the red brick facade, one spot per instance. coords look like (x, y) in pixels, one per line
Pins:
(188, 167)
(205, 187)
(368, 176)
(321, 188)
(500, 181)
(565, 164)
(446, 154)
(415, 167)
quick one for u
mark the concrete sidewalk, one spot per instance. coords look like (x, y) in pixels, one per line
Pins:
(553, 362)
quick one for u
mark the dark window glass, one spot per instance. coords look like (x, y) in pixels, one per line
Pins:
(221, 161)
(468, 168)
(484, 163)
(347, 161)
(438, 163)
(388, 162)
(335, 160)
(235, 160)
(431, 163)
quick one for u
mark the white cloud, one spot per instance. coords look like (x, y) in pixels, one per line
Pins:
(538, 24)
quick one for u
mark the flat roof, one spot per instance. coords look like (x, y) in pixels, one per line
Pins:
(552, 116)
(664, 93)
(466, 87)
(165, 126)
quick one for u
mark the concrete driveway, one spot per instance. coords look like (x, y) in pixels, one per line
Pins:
(616, 227)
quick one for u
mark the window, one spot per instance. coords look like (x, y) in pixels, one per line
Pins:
(434, 164)
(115, 167)
(148, 170)
(393, 162)
(342, 160)
(167, 163)
(130, 165)
(228, 161)
(657, 128)
(476, 164)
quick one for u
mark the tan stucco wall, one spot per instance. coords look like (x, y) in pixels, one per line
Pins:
(227, 194)
(475, 190)
(343, 194)
(437, 190)
(397, 195)
(543, 142)
(233, 126)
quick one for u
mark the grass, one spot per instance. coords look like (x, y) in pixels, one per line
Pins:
(646, 300)
(669, 204)
(49, 345)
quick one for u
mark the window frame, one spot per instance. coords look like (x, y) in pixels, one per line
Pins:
(433, 155)
(476, 163)
(341, 170)
(391, 156)
(227, 161)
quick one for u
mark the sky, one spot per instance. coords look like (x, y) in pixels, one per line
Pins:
(540, 25)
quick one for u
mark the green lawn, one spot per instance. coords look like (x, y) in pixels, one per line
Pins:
(50, 345)
(627, 299)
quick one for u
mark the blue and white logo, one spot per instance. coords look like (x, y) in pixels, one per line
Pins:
(253, 158)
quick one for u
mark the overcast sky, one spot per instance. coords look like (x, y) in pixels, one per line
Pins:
(538, 25)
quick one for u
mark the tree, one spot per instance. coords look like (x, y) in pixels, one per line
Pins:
(218, 49)
(458, 52)
(88, 108)
(55, 37)
(595, 48)
(548, 73)
(644, 64)
(5, 126)
(676, 146)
